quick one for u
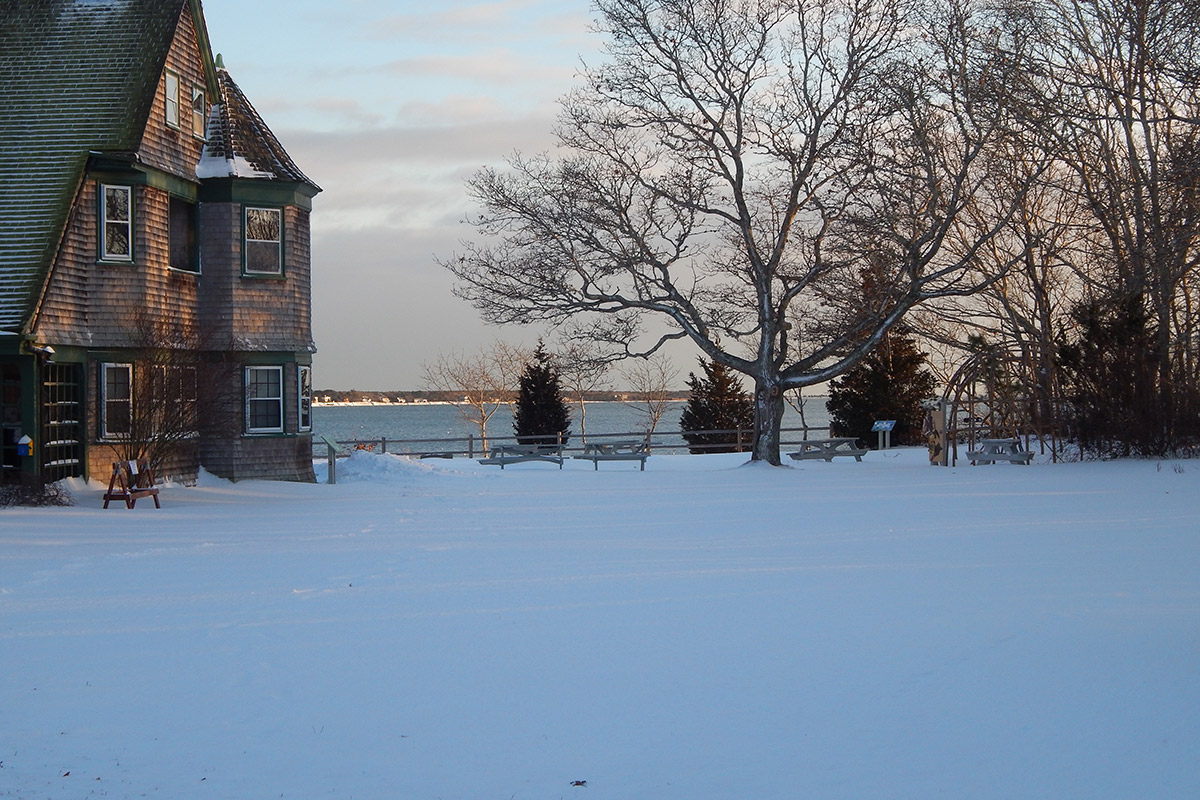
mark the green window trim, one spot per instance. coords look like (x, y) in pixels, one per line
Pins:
(116, 401)
(199, 112)
(303, 398)
(115, 230)
(171, 110)
(264, 400)
(182, 236)
(262, 242)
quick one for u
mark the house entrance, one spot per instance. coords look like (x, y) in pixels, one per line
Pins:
(10, 420)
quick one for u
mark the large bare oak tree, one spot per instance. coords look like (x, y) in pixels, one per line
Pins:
(736, 172)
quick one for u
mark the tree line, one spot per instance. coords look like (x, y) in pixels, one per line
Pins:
(788, 184)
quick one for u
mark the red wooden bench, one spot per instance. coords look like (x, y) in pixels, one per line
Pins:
(130, 481)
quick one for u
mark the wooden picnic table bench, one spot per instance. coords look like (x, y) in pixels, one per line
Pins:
(992, 450)
(130, 481)
(828, 449)
(635, 450)
(515, 453)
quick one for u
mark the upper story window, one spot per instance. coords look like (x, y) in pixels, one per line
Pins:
(199, 111)
(181, 224)
(263, 251)
(172, 99)
(116, 223)
(264, 399)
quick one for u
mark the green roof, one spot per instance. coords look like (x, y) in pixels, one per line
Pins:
(76, 76)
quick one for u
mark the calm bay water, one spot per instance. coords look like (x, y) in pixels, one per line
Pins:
(434, 421)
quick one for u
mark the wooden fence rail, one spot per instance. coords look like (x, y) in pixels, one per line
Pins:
(473, 446)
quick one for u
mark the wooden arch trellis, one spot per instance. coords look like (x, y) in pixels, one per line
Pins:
(989, 397)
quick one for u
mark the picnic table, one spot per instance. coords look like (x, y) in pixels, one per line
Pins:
(634, 450)
(515, 453)
(828, 449)
(992, 450)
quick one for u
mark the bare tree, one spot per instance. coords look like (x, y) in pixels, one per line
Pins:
(652, 379)
(1127, 82)
(479, 383)
(732, 169)
(174, 390)
(582, 368)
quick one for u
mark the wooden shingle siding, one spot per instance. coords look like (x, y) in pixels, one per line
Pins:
(97, 304)
(249, 312)
(83, 106)
(175, 150)
(64, 313)
(269, 457)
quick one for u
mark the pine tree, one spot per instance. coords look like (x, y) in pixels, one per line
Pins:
(715, 402)
(889, 383)
(542, 412)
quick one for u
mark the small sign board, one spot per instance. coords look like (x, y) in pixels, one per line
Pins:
(883, 425)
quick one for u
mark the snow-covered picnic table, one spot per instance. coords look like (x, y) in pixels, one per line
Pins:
(516, 453)
(992, 450)
(828, 449)
(632, 450)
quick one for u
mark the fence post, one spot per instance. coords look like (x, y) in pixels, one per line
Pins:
(383, 445)
(470, 445)
(331, 454)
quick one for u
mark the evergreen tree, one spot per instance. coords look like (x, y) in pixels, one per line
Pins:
(715, 402)
(889, 383)
(1115, 403)
(542, 412)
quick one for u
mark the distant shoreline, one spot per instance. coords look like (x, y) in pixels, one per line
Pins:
(407, 403)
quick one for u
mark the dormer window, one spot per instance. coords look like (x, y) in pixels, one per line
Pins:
(199, 111)
(264, 241)
(172, 99)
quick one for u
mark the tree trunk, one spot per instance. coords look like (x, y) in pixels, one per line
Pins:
(768, 419)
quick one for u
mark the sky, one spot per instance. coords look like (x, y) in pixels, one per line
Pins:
(390, 105)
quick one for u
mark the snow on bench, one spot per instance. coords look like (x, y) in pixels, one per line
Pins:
(828, 449)
(616, 451)
(516, 453)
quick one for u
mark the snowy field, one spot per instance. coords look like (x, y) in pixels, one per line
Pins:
(704, 630)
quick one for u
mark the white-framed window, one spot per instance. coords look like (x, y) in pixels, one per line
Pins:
(263, 250)
(304, 397)
(199, 111)
(172, 108)
(116, 223)
(116, 400)
(264, 399)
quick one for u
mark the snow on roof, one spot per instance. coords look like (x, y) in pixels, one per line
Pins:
(240, 145)
(74, 77)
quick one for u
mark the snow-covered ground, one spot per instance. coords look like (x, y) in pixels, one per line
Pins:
(704, 630)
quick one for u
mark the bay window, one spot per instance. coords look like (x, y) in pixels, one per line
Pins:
(264, 399)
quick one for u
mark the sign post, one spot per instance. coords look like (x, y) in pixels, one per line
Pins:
(883, 427)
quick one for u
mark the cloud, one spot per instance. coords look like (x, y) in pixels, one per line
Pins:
(406, 176)
(382, 306)
(474, 21)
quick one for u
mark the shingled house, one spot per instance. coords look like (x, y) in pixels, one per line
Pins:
(154, 252)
